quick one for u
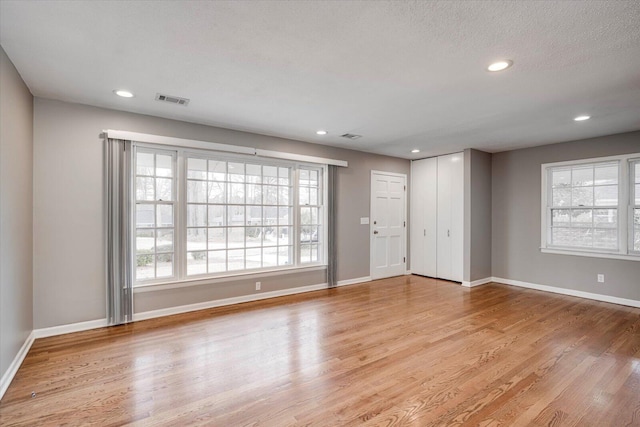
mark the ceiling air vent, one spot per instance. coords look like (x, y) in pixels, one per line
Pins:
(172, 99)
(351, 136)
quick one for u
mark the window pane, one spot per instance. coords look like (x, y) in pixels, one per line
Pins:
(269, 257)
(253, 258)
(636, 230)
(561, 178)
(582, 175)
(164, 166)
(216, 216)
(284, 175)
(165, 216)
(196, 215)
(254, 173)
(144, 164)
(217, 261)
(637, 174)
(607, 218)
(235, 259)
(196, 239)
(236, 237)
(196, 191)
(145, 215)
(145, 267)
(270, 236)
(270, 216)
(254, 215)
(165, 265)
(235, 215)
(196, 263)
(217, 238)
(236, 172)
(582, 196)
(254, 236)
(314, 253)
(304, 195)
(145, 189)
(284, 235)
(270, 174)
(313, 178)
(145, 241)
(284, 195)
(606, 174)
(305, 253)
(561, 236)
(305, 216)
(313, 196)
(605, 239)
(284, 255)
(254, 194)
(236, 193)
(217, 170)
(164, 189)
(164, 242)
(285, 216)
(637, 195)
(583, 237)
(606, 195)
(581, 218)
(270, 195)
(216, 192)
(196, 168)
(304, 177)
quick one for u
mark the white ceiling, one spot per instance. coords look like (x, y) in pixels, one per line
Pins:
(402, 74)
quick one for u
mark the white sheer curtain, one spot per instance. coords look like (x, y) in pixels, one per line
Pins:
(119, 262)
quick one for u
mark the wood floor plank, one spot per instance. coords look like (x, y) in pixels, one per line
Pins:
(400, 351)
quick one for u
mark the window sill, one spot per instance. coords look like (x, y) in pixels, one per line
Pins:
(151, 287)
(590, 254)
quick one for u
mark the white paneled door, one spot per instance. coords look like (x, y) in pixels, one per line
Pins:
(388, 224)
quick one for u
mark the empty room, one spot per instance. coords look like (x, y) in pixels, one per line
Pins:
(319, 213)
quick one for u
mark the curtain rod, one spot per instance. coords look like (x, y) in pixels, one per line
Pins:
(229, 148)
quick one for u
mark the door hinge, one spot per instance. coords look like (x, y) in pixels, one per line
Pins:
(405, 188)
(405, 223)
(404, 259)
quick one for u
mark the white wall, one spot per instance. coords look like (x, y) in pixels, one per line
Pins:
(69, 284)
(16, 199)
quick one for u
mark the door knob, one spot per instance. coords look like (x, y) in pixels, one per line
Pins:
(375, 231)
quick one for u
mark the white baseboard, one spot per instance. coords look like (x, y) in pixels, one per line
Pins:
(240, 299)
(478, 282)
(15, 364)
(570, 292)
(69, 328)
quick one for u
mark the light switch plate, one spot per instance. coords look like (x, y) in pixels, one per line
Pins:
(364, 220)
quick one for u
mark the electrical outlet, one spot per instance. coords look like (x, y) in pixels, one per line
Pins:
(258, 286)
(600, 278)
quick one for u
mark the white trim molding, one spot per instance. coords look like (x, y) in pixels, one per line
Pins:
(229, 148)
(570, 292)
(478, 282)
(12, 370)
(241, 299)
(70, 328)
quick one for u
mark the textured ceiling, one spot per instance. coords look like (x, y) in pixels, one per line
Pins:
(402, 74)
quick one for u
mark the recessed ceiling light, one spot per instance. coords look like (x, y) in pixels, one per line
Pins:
(500, 65)
(415, 150)
(582, 118)
(123, 93)
(321, 132)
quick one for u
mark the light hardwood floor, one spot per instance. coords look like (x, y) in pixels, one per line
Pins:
(401, 351)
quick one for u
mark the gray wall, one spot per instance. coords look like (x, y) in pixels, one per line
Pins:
(16, 203)
(68, 210)
(516, 221)
(477, 215)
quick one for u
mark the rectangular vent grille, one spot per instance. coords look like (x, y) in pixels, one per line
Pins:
(172, 99)
(351, 136)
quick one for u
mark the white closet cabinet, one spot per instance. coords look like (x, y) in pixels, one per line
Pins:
(437, 217)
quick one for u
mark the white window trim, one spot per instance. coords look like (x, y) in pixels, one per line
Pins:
(625, 217)
(180, 278)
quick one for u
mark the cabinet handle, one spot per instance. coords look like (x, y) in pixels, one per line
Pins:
(448, 233)
(375, 232)
(425, 232)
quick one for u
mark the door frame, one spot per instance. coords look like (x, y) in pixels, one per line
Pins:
(406, 223)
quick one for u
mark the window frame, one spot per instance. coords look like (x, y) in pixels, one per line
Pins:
(181, 154)
(624, 208)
